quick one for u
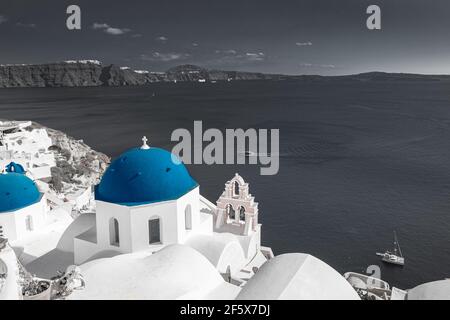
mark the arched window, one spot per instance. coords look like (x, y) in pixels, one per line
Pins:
(228, 274)
(188, 217)
(29, 223)
(242, 214)
(154, 232)
(114, 238)
(1, 232)
(236, 189)
(230, 212)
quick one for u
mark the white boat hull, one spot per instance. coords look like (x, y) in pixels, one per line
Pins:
(392, 258)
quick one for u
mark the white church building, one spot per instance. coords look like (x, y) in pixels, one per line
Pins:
(147, 200)
(23, 208)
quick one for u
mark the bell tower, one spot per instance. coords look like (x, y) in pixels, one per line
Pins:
(236, 208)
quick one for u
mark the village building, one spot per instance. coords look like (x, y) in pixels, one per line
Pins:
(27, 146)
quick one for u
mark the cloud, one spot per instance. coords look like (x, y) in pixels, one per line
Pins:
(97, 25)
(116, 31)
(110, 30)
(164, 57)
(260, 56)
(162, 39)
(194, 44)
(136, 35)
(3, 19)
(311, 65)
(302, 44)
(26, 25)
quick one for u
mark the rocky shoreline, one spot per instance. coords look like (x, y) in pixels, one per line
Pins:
(91, 73)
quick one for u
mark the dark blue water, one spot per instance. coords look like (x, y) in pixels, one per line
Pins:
(358, 159)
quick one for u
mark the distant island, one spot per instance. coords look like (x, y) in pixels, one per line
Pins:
(91, 73)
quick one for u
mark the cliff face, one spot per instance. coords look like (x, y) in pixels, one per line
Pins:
(218, 75)
(93, 73)
(51, 75)
(86, 73)
(187, 73)
(195, 73)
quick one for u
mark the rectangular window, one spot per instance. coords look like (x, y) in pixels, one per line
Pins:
(154, 231)
(114, 239)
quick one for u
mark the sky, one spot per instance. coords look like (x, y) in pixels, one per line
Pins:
(327, 37)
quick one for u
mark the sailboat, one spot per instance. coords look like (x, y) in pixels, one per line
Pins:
(394, 257)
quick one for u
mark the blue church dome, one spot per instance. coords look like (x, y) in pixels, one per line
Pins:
(17, 191)
(15, 167)
(141, 176)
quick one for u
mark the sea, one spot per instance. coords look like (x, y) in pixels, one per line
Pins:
(358, 160)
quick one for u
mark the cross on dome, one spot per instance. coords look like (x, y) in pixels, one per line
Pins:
(144, 143)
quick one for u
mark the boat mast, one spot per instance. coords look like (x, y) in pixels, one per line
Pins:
(397, 245)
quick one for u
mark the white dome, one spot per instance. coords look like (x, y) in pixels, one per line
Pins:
(437, 290)
(297, 276)
(223, 250)
(173, 272)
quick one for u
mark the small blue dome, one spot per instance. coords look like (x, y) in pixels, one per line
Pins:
(17, 191)
(141, 176)
(15, 167)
